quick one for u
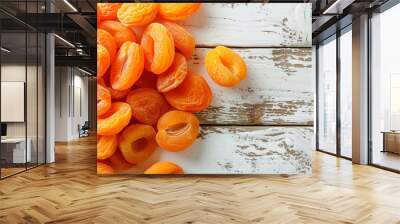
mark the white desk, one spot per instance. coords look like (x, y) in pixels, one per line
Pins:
(18, 150)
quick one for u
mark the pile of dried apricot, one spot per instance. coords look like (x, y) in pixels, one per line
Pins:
(146, 92)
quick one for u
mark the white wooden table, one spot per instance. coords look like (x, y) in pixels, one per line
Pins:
(264, 125)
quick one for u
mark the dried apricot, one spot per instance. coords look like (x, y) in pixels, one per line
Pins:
(107, 11)
(177, 130)
(164, 168)
(103, 100)
(118, 162)
(103, 168)
(192, 95)
(225, 66)
(147, 80)
(147, 105)
(120, 32)
(177, 11)
(137, 143)
(115, 94)
(103, 60)
(116, 119)
(174, 76)
(106, 146)
(107, 40)
(127, 67)
(137, 14)
(183, 40)
(159, 48)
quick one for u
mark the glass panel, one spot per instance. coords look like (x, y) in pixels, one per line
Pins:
(41, 99)
(31, 99)
(386, 89)
(346, 94)
(327, 96)
(13, 84)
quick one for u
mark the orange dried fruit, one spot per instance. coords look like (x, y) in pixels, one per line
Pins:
(137, 14)
(183, 40)
(225, 66)
(118, 162)
(120, 32)
(159, 48)
(147, 105)
(137, 143)
(106, 146)
(103, 100)
(127, 67)
(115, 94)
(177, 11)
(192, 95)
(177, 130)
(103, 168)
(107, 40)
(115, 120)
(103, 60)
(107, 11)
(174, 76)
(164, 168)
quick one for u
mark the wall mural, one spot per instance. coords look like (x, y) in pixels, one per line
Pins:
(211, 88)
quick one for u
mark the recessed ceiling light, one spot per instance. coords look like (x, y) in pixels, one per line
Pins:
(64, 40)
(5, 50)
(70, 5)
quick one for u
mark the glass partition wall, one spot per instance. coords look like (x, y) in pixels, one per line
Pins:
(334, 94)
(22, 77)
(385, 90)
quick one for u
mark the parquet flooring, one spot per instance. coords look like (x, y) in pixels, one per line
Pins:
(69, 191)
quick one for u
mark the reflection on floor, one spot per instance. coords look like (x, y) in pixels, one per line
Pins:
(387, 159)
(69, 191)
(14, 170)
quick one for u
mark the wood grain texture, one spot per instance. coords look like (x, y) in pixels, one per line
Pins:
(242, 150)
(252, 25)
(278, 89)
(69, 191)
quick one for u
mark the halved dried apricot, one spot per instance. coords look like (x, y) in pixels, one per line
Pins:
(106, 146)
(177, 11)
(159, 48)
(147, 105)
(115, 94)
(127, 67)
(192, 95)
(107, 11)
(177, 130)
(115, 120)
(225, 66)
(174, 76)
(118, 161)
(137, 143)
(120, 32)
(137, 14)
(107, 40)
(103, 60)
(103, 168)
(183, 40)
(103, 100)
(164, 168)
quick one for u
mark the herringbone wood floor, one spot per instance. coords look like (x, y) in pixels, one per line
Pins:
(70, 192)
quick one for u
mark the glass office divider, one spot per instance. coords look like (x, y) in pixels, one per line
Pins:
(23, 88)
(327, 96)
(346, 92)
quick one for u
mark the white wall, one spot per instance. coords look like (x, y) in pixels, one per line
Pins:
(70, 83)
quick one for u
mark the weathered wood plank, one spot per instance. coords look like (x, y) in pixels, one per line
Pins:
(252, 25)
(278, 89)
(243, 150)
